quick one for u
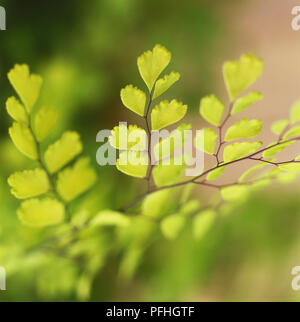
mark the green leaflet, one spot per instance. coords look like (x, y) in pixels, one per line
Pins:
(23, 140)
(29, 183)
(203, 222)
(110, 218)
(276, 149)
(278, 126)
(243, 129)
(215, 174)
(212, 109)
(134, 99)
(295, 131)
(239, 75)
(235, 193)
(167, 113)
(210, 139)
(246, 101)
(250, 171)
(237, 151)
(295, 112)
(44, 121)
(27, 86)
(163, 84)
(41, 212)
(133, 163)
(152, 63)
(63, 151)
(132, 138)
(172, 143)
(295, 167)
(171, 226)
(75, 180)
(16, 110)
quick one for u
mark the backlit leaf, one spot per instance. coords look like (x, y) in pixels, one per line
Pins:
(133, 163)
(110, 218)
(235, 193)
(239, 75)
(163, 84)
(171, 226)
(152, 63)
(167, 113)
(23, 140)
(41, 213)
(203, 222)
(276, 149)
(134, 99)
(215, 174)
(210, 139)
(295, 131)
(295, 112)
(44, 121)
(75, 180)
(16, 110)
(63, 151)
(27, 86)
(246, 101)
(278, 126)
(243, 129)
(212, 109)
(250, 171)
(240, 150)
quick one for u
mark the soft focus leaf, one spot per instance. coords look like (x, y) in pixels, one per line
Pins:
(23, 140)
(152, 63)
(27, 86)
(110, 218)
(158, 204)
(215, 174)
(75, 180)
(240, 150)
(250, 171)
(63, 151)
(239, 75)
(163, 84)
(29, 183)
(167, 113)
(246, 101)
(235, 193)
(171, 226)
(41, 213)
(134, 99)
(278, 126)
(243, 129)
(44, 121)
(295, 131)
(16, 110)
(295, 112)
(276, 149)
(203, 222)
(133, 163)
(212, 109)
(210, 139)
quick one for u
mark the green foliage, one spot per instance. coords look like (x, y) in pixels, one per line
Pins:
(246, 101)
(212, 109)
(210, 140)
(243, 129)
(237, 151)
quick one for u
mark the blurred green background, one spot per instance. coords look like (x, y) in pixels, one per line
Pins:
(86, 52)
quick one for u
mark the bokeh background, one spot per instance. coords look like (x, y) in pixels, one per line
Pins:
(86, 52)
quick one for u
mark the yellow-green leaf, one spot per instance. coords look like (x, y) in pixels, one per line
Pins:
(75, 180)
(240, 150)
(246, 101)
(41, 213)
(235, 193)
(276, 149)
(131, 138)
(134, 99)
(110, 218)
(239, 75)
(29, 183)
(163, 84)
(210, 139)
(133, 163)
(295, 112)
(250, 171)
(295, 131)
(243, 129)
(16, 110)
(212, 109)
(172, 225)
(203, 222)
(167, 113)
(44, 121)
(152, 63)
(27, 86)
(278, 126)
(63, 151)
(215, 174)
(23, 140)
